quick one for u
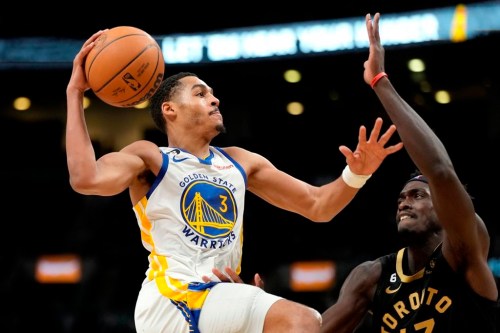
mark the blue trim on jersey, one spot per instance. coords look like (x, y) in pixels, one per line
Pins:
(161, 174)
(236, 164)
(192, 316)
(208, 160)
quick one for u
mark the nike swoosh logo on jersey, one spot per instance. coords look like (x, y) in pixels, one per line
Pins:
(388, 290)
(176, 159)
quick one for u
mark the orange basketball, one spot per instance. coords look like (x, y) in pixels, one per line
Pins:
(125, 67)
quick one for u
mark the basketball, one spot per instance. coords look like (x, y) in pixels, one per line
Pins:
(125, 67)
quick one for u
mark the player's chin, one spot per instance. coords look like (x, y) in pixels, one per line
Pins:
(404, 226)
(408, 229)
(220, 128)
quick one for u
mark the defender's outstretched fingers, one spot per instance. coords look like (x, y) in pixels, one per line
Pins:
(377, 127)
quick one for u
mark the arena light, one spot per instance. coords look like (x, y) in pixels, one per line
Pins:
(312, 276)
(58, 268)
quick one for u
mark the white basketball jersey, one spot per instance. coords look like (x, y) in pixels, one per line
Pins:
(191, 220)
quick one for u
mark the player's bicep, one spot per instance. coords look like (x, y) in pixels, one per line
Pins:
(115, 172)
(280, 189)
(273, 185)
(361, 284)
(355, 299)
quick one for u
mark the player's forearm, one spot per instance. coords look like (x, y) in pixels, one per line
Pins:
(425, 148)
(80, 152)
(332, 199)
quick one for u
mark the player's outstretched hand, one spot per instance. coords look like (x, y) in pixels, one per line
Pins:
(371, 152)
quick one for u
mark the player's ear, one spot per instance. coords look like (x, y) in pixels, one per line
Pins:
(168, 111)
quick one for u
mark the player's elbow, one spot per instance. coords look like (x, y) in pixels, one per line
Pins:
(320, 216)
(81, 185)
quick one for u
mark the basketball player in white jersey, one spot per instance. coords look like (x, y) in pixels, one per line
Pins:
(189, 202)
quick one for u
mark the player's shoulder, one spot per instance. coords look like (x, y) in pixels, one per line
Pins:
(141, 146)
(369, 267)
(364, 277)
(238, 153)
(233, 149)
(148, 151)
(236, 150)
(249, 160)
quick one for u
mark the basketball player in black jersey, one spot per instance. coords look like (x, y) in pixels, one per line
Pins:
(440, 282)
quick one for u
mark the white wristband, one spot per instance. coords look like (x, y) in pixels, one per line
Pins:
(352, 179)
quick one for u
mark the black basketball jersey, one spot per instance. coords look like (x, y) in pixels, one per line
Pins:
(434, 300)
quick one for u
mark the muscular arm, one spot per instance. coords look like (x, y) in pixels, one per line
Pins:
(354, 300)
(113, 172)
(464, 230)
(317, 203)
(109, 175)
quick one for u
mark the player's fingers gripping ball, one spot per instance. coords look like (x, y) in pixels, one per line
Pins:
(125, 67)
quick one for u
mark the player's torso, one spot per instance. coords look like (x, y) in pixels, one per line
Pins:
(193, 214)
(435, 299)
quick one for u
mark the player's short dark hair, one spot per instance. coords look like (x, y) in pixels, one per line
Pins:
(166, 90)
(418, 176)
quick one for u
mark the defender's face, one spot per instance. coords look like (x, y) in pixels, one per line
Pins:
(415, 213)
